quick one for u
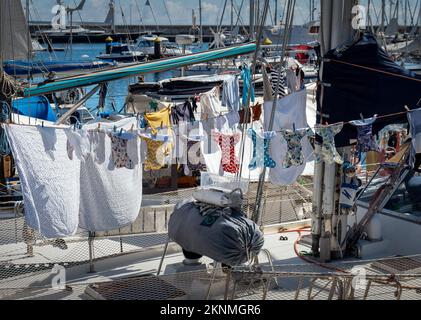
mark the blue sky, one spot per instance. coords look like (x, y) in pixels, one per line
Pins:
(180, 11)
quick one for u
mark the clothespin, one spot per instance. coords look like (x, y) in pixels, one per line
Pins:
(362, 116)
(99, 126)
(293, 127)
(121, 132)
(162, 124)
(42, 124)
(115, 129)
(132, 128)
(407, 109)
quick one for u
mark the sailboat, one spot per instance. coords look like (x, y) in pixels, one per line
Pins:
(16, 46)
(371, 254)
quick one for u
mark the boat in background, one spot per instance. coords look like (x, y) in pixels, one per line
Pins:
(21, 68)
(146, 44)
(123, 53)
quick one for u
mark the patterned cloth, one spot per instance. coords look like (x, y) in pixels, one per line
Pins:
(119, 151)
(230, 162)
(195, 161)
(156, 154)
(329, 154)
(365, 139)
(261, 150)
(294, 156)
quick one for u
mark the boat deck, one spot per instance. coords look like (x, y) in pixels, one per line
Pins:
(133, 276)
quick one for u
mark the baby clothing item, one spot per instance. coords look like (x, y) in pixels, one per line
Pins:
(195, 161)
(289, 111)
(281, 77)
(229, 161)
(365, 139)
(261, 150)
(210, 109)
(183, 112)
(231, 93)
(120, 152)
(160, 119)
(157, 152)
(329, 154)
(294, 156)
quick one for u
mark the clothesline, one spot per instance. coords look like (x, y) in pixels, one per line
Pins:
(216, 117)
(373, 69)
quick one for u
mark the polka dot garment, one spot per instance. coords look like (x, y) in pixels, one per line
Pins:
(261, 150)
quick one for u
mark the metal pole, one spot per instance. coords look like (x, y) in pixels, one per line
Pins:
(252, 11)
(71, 35)
(383, 16)
(200, 21)
(288, 24)
(232, 16)
(276, 13)
(91, 252)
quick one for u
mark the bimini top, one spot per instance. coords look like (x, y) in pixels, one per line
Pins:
(362, 79)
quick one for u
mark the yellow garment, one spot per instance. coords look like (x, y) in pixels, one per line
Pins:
(157, 152)
(160, 119)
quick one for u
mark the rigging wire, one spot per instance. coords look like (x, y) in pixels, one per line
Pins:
(168, 13)
(140, 15)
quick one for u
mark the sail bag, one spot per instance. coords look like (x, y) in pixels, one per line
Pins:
(225, 235)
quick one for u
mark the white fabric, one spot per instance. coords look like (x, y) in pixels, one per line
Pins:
(69, 179)
(289, 111)
(211, 109)
(50, 180)
(231, 93)
(110, 197)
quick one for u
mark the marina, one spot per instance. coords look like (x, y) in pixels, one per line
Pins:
(272, 155)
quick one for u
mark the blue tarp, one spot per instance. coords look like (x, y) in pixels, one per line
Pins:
(34, 107)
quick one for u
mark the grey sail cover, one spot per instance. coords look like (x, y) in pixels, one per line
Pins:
(14, 31)
(227, 237)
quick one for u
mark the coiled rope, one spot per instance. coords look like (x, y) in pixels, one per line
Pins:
(9, 87)
(4, 118)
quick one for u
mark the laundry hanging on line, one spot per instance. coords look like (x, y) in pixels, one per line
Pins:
(60, 184)
(289, 113)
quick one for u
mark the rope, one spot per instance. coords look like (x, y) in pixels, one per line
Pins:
(9, 87)
(374, 70)
(4, 142)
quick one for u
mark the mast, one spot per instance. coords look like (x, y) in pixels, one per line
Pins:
(383, 16)
(232, 16)
(252, 11)
(29, 31)
(276, 13)
(200, 21)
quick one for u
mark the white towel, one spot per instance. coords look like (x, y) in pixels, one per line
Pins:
(289, 111)
(50, 180)
(110, 197)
